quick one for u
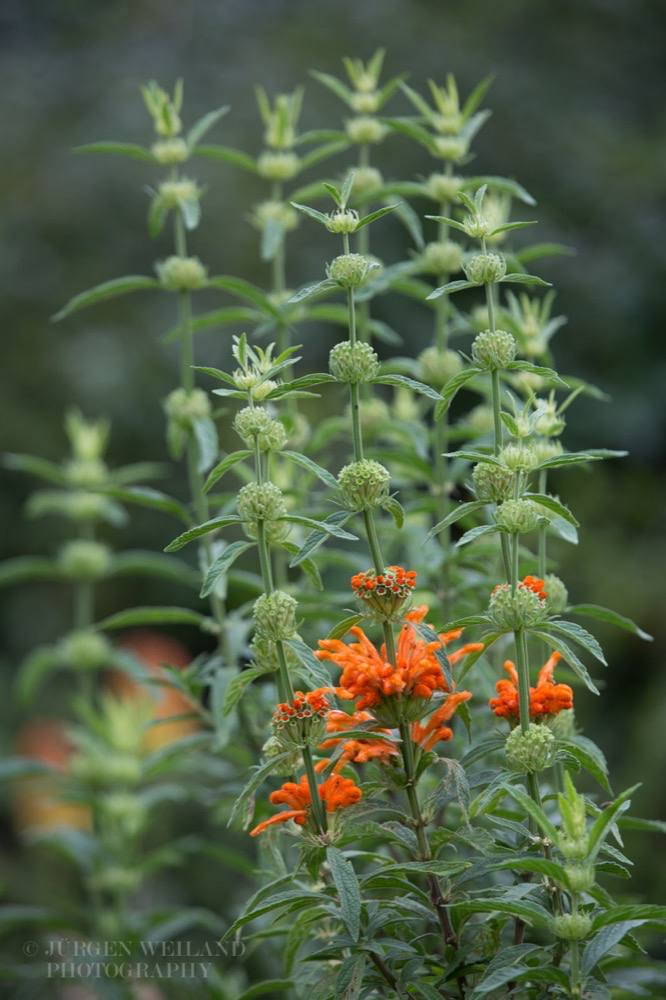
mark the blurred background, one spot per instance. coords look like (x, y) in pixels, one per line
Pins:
(579, 118)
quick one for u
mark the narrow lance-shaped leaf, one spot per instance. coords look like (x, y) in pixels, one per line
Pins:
(107, 290)
(202, 529)
(568, 655)
(222, 564)
(612, 617)
(255, 781)
(349, 891)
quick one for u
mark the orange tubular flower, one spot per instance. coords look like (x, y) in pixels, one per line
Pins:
(545, 699)
(433, 731)
(357, 751)
(337, 792)
(368, 676)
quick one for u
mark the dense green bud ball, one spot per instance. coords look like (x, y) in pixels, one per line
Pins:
(546, 420)
(492, 483)
(278, 212)
(364, 484)
(263, 502)
(124, 811)
(275, 615)
(181, 274)
(185, 407)
(485, 268)
(342, 221)
(353, 363)
(170, 151)
(84, 650)
(442, 257)
(80, 559)
(437, 367)
(522, 609)
(350, 269)
(106, 771)
(575, 848)
(443, 187)
(365, 129)
(557, 595)
(172, 193)
(572, 926)
(86, 472)
(273, 747)
(518, 515)
(494, 350)
(529, 752)
(365, 101)
(116, 879)
(451, 147)
(519, 457)
(580, 878)
(366, 179)
(250, 422)
(278, 166)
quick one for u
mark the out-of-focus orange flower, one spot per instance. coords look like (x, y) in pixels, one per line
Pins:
(37, 802)
(368, 675)
(356, 751)
(546, 698)
(433, 731)
(336, 792)
(154, 650)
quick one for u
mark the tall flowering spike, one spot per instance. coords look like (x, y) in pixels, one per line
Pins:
(356, 751)
(336, 792)
(394, 693)
(433, 731)
(303, 721)
(383, 596)
(546, 699)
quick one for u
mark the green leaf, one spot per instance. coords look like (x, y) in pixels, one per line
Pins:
(449, 222)
(227, 463)
(524, 279)
(146, 496)
(38, 664)
(318, 537)
(452, 286)
(107, 290)
(237, 685)
(222, 564)
(235, 156)
(311, 466)
(316, 378)
(644, 912)
(480, 750)
(533, 810)
(590, 757)
(567, 654)
(511, 225)
(530, 912)
(478, 532)
(545, 373)
(408, 383)
(276, 902)
(552, 504)
(367, 219)
(152, 616)
(576, 457)
(580, 635)
(396, 510)
(349, 891)
(344, 626)
(604, 821)
(200, 127)
(28, 568)
(202, 529)
(604, 942)
(247, 291)
(612, 617)
(451, 388)
(260, 774)
(312, 212)
(117, 149)
(153, 564)
(350, 977)
(317, 673)
(326, 526)
(533, 863)
(316, 289)
(456, 514)
(506, 965)
(35, 466)
(268, 986)
(207, 444)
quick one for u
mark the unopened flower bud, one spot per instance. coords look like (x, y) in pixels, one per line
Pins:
(546, 420)
(529, 752)
(172, 193)
(443, 187)
(275, 615)
(181, 274)
(124, 811)
(84, 650)
(364, 484)
(350, 269)
(184, 407)
(480, 420)
(261, 502)
(365, 129)
(278, 212)
(342, 221)
(278, 166)
(563, 724)
(106, 771)
(580, 878)
(366, 179)
(365, 102)
(572, 926)
(170, 151)
(80, 559)
(522, 609)
(543, 449)
(273, 747)
(478, 226)
(264, 389)
(116, 879)
(485, 268)
(492, 483)
(437, 367)
(250, 422)
(519, 457)
(494, 350)
(86, 472)
(574, 848)
(442, 257)
(557, 594)
(353, 363)
(518, 515)
(451, 147)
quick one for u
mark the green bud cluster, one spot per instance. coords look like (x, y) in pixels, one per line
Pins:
(86, 472)
(451, 147)
(350, 269)
(580, 877)
(480, 420)
(519, 457)
(84, 650)
(494, 350)
(529, 752)
(343, 220)
(275, 212)
(273, 747)
(254, 423)
(366, 179)
(543, 449)
(181, 274)
(278, 165)
(364, 128)
(106, 770)
(261, 502)
(485, 268)
(365, 101)
(116, 879)
(437, 367)
(80, 559)
(546, 420)
(364, 484)
(443, 187)
(185, 407)
(517, 516)
(124, 811)
(275, 615)
(514, 610)
(492, 482)
(170, 151)
(353, 363)
(572, 926)
(172, 193)
(557, 594)
(442, 257)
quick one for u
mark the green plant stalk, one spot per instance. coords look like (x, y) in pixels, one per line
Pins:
(574, 955)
